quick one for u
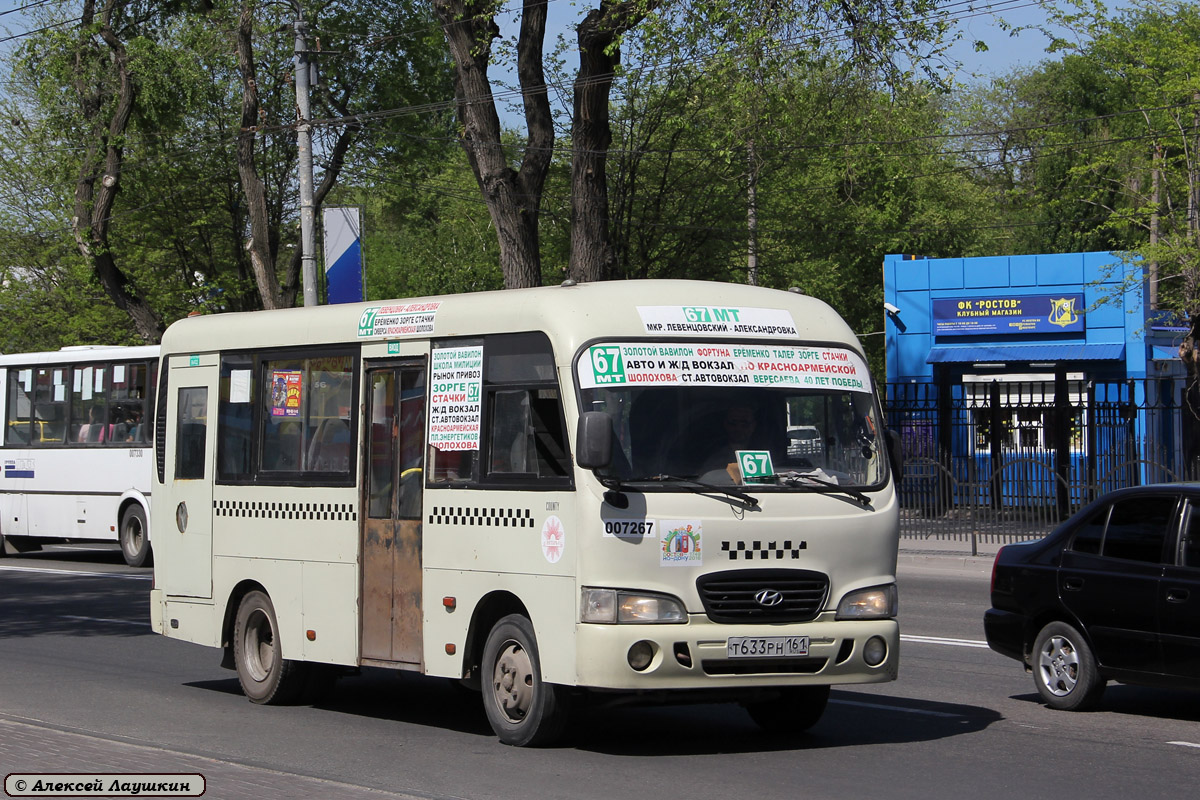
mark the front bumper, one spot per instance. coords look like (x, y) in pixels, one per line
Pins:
(693, 655)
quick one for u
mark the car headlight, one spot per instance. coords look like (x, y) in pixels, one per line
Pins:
(877, 602)
(610, 607)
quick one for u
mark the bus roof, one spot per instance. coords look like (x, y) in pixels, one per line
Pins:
(81, 355)
(571, 314)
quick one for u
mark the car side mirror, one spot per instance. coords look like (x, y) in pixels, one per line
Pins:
(593, 440)
(895, 451)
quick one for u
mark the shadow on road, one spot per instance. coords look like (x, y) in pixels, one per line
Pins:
(852, 719)
(99, 554)
(1141, 701)
(33, 604)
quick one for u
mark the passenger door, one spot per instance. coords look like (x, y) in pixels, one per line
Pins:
(1115, 593)
(394, 443)
(1179, 612)
(190, 448)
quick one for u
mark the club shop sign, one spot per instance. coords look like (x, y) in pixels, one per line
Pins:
(973, 315)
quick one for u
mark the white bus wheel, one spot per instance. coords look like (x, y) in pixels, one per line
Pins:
(265, 675)
(522, 709)
(134, 537)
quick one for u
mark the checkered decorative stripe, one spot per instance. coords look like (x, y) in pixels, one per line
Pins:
(264, 510)
(748, 552)
(489, 517)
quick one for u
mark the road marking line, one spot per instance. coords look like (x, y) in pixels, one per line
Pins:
(902, 709)
(1185, 744)
(904, 637)
(48, 571)
(102, 619)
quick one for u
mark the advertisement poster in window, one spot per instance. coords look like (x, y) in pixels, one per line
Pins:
(286, 391)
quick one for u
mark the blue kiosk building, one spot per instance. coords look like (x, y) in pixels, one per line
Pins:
(1031, 381)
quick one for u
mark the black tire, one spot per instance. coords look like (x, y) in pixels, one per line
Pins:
(522, 709)
(266, 676)
(134, 536)
(796, 710)
(1064, 670)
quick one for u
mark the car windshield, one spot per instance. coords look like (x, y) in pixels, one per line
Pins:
(795, 418)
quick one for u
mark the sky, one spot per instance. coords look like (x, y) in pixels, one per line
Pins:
(1004, 54)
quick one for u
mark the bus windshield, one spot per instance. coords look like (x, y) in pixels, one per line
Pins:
(783, 417)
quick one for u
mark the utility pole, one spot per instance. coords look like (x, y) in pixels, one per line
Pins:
(308, 240)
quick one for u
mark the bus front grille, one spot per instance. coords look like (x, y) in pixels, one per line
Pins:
(763, 595)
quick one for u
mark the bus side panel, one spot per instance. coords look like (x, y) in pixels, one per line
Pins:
(330, 610)
(528, 540)
(196, 621)
(551, 601)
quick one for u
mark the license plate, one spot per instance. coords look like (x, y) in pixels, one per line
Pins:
(766, 646)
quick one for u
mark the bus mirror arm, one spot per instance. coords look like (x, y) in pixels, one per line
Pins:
(895, 451)
(593, 440)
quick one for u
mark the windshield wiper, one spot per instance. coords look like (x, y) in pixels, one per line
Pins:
(687, 483)
(795, 479)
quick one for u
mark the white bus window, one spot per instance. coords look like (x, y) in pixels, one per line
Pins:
(19, 428)
(235, 415)
(522, 438)
(127, 404)
(49, 404)
(306, 406)
(89, 405)
(190, 436)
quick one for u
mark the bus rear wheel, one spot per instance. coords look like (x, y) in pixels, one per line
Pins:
(134, 537)
(522, 709)
(267, 678)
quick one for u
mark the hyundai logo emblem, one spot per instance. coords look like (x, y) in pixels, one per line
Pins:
(768, 597)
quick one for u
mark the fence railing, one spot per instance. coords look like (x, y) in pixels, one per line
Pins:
(1004, 461)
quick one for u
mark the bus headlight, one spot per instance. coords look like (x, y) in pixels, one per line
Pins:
(877, 602)
(610, 607)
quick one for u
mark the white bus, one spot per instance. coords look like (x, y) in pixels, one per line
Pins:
(75, 449)
(556, 495)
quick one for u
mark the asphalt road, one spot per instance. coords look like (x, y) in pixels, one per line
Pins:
(77, 657)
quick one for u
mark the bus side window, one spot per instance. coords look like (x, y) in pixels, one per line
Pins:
(189, 440)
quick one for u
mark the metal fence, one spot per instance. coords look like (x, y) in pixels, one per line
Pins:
(1005, 460)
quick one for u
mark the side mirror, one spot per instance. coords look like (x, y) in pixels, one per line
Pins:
(593, 440)
(895, 449)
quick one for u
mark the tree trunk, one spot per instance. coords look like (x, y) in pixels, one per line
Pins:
(592, 256)
(98, 180)
(262, 259)
(513, 197)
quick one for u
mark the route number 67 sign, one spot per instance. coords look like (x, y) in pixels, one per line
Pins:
(755, 464)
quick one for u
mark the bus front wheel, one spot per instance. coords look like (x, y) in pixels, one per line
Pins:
(523, 709)
(266, 676)
(135, 539)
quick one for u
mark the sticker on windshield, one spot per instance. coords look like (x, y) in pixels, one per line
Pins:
(403, 319)
(718, 320)
(680, 541)
(645, 363)
(755, 465)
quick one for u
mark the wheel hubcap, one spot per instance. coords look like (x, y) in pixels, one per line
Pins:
(134, 534)
(1058, 665)
(512, 681)
(260, 646)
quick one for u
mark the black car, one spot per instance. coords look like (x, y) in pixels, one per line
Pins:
(1112, 594)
